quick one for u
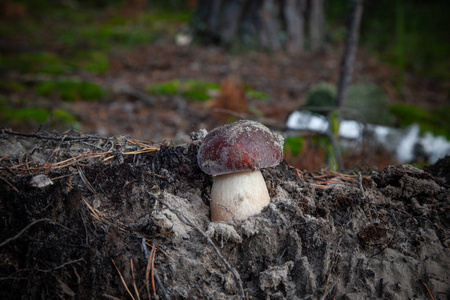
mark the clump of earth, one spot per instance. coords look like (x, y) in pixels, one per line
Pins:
(83, 217)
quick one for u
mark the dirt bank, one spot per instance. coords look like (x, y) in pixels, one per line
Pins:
(115, 214)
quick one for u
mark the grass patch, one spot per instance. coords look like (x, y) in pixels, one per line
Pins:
(71, 90)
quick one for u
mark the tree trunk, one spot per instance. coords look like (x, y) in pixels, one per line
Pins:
(348, 57)
(317, 24)
(232, 12)
(345, 76)
(269, 32)
(294, 14)
(270, 24)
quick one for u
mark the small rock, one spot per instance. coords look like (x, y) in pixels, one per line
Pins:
(40, 181)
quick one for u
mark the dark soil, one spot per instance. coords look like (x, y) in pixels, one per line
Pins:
(115, 219)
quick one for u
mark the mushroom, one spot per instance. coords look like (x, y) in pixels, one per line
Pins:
(233, 155)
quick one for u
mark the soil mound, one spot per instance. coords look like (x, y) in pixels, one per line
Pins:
(90, 218)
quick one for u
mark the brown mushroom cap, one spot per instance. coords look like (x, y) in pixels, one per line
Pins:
(240, 146)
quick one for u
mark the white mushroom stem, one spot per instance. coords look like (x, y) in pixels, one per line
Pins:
(238, 195)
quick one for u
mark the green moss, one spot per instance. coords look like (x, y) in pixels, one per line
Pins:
(293, 144)
(196, 94)
(407, 114)
(43, 62)
(254, 94)
(78, 32)
(165, 88)
(198, 90)
(12, 86)
(369, 102)
(91, 91)
(194, 89)
(68, 38)
(108, 35)
(190, 89)
(50, 63)
(92, 61)
(166, 15)
(321, 98)
(433, 120)
(365, 102)
(40, 115)
(60, 115)
(71, 90)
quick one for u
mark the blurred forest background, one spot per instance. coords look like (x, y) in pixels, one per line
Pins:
(158, 70)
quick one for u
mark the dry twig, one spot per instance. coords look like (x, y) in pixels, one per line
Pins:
(60, 266)
(428, 290)
(123, 280)
(23, 230)
(101, 218)
(152, 258)
(147, 273)
(10, 184)
(151, 268)
(134, 279)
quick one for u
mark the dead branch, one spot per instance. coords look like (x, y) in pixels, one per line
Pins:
(110, 297)
(54, 138)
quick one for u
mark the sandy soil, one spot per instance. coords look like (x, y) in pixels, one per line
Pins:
(122, 220)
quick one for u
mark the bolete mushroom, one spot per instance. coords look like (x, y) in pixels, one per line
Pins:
(233, 155)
